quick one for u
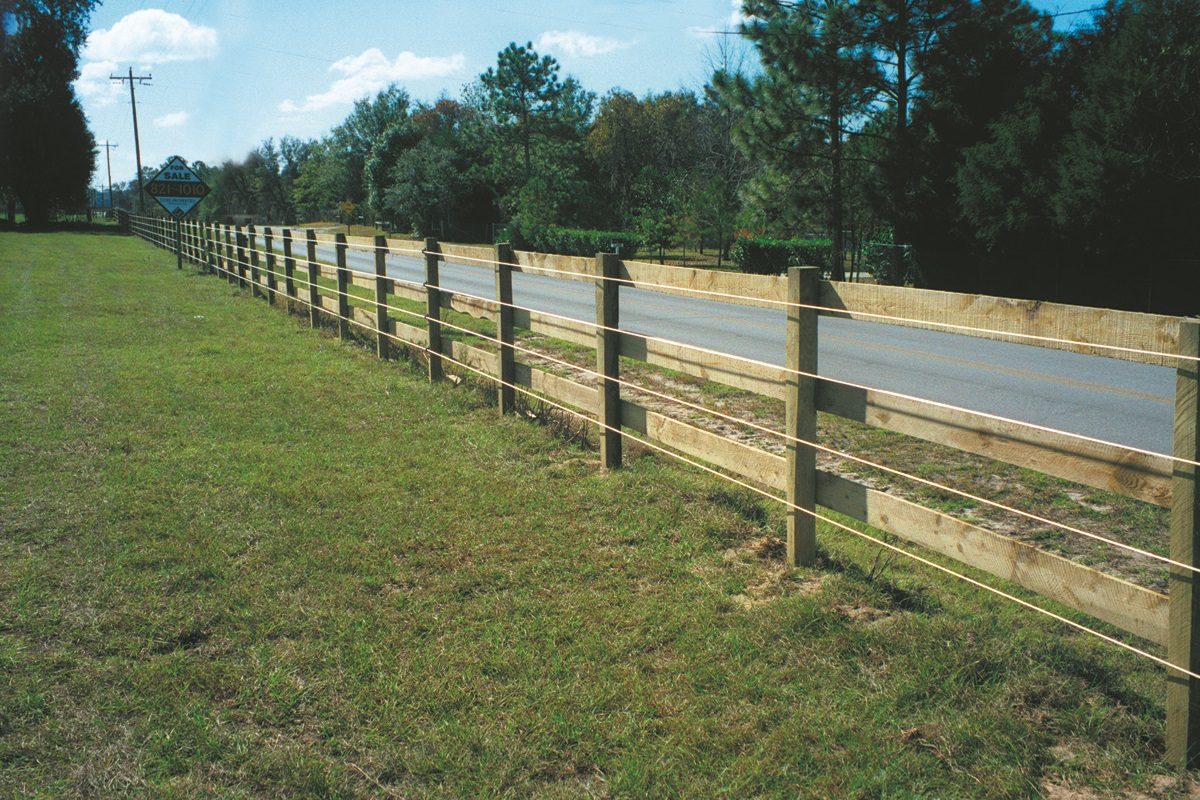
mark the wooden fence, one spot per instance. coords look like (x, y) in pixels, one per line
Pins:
(247, 256)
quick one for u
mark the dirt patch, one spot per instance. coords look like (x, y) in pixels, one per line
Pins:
(1162, 787)
(867, 615)
(761, 562)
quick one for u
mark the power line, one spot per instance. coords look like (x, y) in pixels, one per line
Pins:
(1056, 15)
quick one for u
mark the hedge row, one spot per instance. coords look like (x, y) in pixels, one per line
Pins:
(773, 256)
(574, 241)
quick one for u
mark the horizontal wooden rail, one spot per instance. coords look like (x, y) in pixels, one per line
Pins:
(1144, 477)
(570, 267)
(466, 253)
(1103, 326)
(1132, 608)
(1101, 466)
(1137, 475)
(988, 317)
(764, 291)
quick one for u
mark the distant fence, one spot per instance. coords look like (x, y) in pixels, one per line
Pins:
(286, 268)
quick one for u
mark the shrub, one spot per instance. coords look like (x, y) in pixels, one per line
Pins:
(809, 253)
(762, 256)
(572, 241)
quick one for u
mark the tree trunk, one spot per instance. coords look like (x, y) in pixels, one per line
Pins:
(836, 213)
(525, 137)
(900, 165)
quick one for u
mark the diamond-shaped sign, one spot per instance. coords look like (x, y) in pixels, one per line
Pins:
(177, 188)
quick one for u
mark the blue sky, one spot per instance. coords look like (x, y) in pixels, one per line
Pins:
(230, 73)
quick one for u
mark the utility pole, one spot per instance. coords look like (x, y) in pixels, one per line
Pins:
(137, 145)
(108, 157)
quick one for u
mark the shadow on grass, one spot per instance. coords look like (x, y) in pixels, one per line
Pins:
(1109, 682)
(918, 600)
(745, 504)
(96, 228)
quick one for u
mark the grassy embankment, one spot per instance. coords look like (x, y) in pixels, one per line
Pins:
(240, 559)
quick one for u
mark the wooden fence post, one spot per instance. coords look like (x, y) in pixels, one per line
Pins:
(433, 308)
(504, 327)
(343, 288)
(314, 272)
(241, 260)
(608, 345)
(381, 293)
(1183, 644)
(269, 247)
(801, 414)
(230, 256)
(255, 278)
(178, 244)
(210, 253)
(289, 267)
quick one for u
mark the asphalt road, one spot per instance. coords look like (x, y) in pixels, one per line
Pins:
(1117, 401)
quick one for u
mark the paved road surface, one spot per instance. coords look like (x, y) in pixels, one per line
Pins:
(1117, 401)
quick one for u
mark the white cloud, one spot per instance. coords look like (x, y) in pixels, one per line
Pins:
(149, 37)
(371, 72)
(173, 120)
(94, 86)
(732, 23)
(738, 16)
(574, 43)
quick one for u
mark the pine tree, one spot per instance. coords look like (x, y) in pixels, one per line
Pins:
(813, 95)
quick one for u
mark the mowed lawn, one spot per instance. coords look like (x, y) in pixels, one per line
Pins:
(241, 559)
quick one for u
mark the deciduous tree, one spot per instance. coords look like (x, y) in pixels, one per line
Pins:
(47, 153)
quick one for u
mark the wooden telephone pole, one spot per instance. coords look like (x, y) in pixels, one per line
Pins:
(108, 158)
(137, 145)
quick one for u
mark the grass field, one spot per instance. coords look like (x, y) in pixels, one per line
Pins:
(240, 559)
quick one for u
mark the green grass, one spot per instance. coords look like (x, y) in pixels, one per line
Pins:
(240, 559)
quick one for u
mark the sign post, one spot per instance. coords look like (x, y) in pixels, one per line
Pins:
(177, 189)
(348, 209)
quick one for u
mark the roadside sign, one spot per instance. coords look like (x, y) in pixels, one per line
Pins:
(347, 207)
(177, 188)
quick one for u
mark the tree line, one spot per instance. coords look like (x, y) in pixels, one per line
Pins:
(47, 152)
(524, 150)
(956, 144)
(994, 153)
